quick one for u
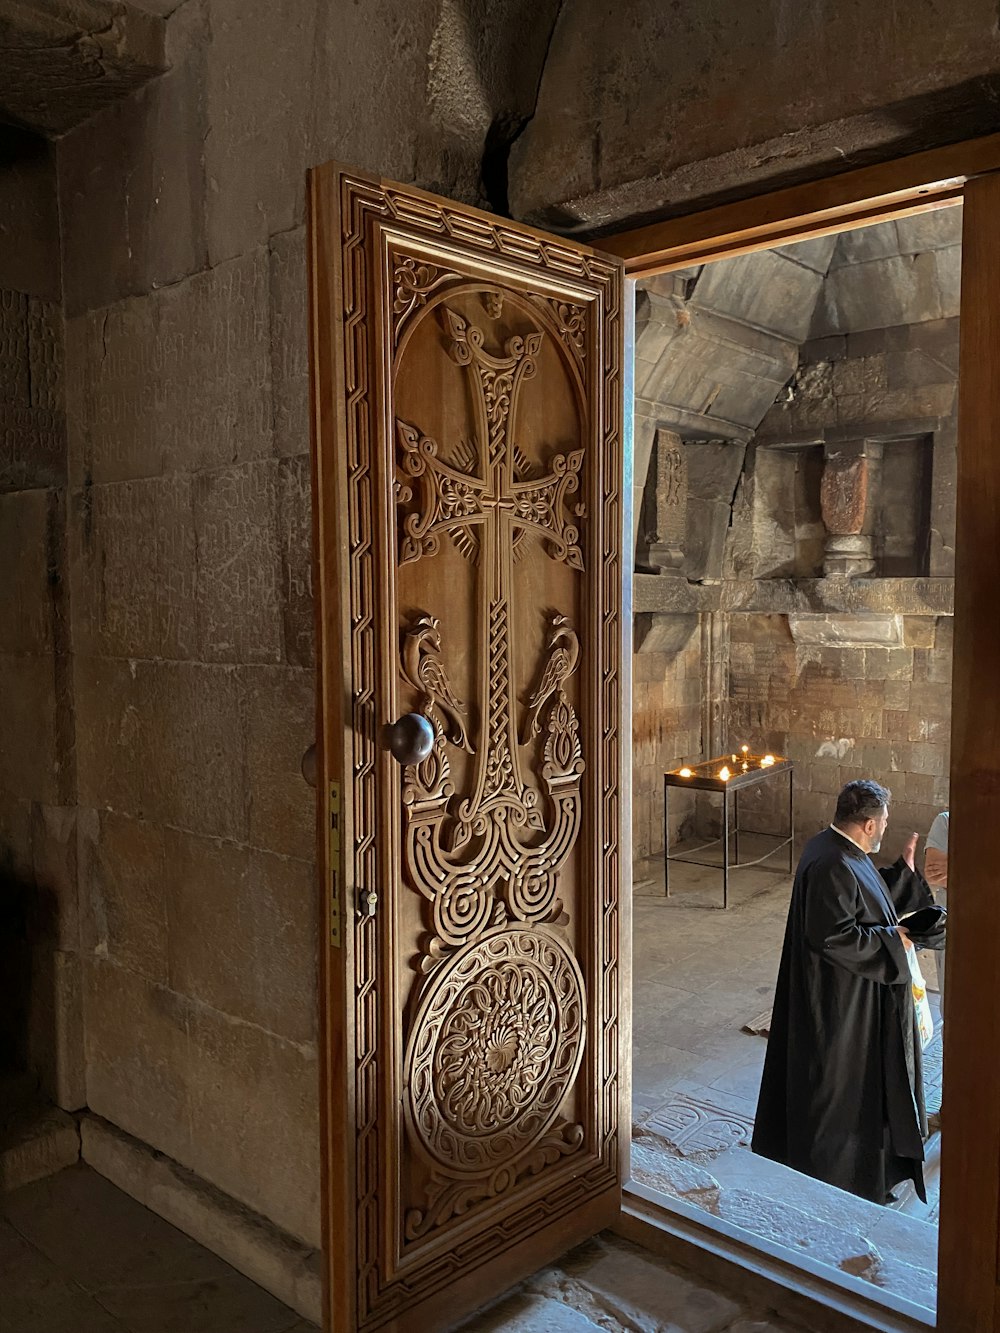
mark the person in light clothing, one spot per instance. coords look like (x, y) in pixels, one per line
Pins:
(936, 874)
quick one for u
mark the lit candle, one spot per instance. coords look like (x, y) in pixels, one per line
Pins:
(685, 772)
(745, 749)
(767, 761)
(724, 772)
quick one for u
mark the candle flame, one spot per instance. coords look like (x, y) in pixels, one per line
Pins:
(685, 772)
(745, 749)
(767, 761)
(724, 773)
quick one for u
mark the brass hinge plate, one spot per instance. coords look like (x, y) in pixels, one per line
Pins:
(333, 816)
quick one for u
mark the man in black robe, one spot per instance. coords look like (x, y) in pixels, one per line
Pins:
(841, 1097)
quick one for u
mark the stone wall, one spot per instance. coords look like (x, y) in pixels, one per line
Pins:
(666, 730)
(182, 210)
(843, 713)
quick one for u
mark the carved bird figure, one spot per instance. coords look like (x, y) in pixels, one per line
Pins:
(424, 668)
(564, 653)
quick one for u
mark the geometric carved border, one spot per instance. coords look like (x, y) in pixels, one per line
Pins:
(429, 218)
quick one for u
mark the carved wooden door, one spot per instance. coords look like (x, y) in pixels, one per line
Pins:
(469, 508)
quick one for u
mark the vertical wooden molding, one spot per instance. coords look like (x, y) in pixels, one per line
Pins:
(970, 1164)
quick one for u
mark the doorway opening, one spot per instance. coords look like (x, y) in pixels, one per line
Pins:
(795, 457)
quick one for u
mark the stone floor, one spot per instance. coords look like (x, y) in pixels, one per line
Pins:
(79, 1256)
(700, 975)
(611, 1286)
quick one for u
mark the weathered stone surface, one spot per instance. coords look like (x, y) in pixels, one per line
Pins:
(55, 1034)
(177, 381)
(124, 879)
(281, 726)
(29, 740)
(163, 741)
(526, 1313)
(64, 64)
(37, 1142)
(131, 184)
(655, 1166)
(255, 1118)
(54, 867)
(901, 289)
(29, 216)
(713, 471)
(32, 448)
(239, 567)
(136, 1040)
(880, 631)
(645, 1293)
(241, 927)
(785, 1225)
(134, 569)
(30, 532)
(289, 342)
(243, 1239)
(295, 536)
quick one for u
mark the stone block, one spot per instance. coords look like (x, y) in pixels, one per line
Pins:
(524, 1312)
(32, 448)
(134, 577)
(46, 355)
(124, 879)
(889, 663)
(132, 189)
(54, 867)
(644, 1293)
(897, 694)
(163, 741)
(281, 725)
(783, 1224)
(918, 631)
(36, 1145)
(30, 754)
(289, 342)
(15, 369)
(29, 217)
(865, 374)
(242, 933)
(55, 1037)
(246, 1240)
(239, 564)
(178, 380)
(927, 758)
(30, 536)
(137, 1038)
(766, 289)
(254, 1111)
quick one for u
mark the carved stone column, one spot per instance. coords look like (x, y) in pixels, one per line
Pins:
(844, 505)
(666, 514)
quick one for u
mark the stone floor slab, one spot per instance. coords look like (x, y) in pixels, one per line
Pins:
(527, 1313)
(228, 1304)
(39, 1297)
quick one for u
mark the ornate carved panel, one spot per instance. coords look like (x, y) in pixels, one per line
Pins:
(476, 470)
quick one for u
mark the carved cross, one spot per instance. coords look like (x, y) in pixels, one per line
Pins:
(486, 508)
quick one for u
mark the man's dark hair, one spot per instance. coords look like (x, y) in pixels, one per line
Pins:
(861, 800)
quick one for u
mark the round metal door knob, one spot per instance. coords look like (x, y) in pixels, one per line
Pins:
(410, 739)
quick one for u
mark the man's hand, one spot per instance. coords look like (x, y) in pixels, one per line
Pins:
(904, 934)
(909, 851)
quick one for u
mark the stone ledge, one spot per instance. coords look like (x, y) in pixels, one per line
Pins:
(656, 594)
(36, 1140)
(256, 1248)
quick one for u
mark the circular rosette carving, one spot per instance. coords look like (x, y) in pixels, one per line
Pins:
(496, 1044)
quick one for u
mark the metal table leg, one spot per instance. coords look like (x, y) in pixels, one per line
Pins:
(666, 839)
(791, 821)
(736, 823)
(725, 849)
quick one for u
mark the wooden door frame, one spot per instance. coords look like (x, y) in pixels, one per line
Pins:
(942, 177)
